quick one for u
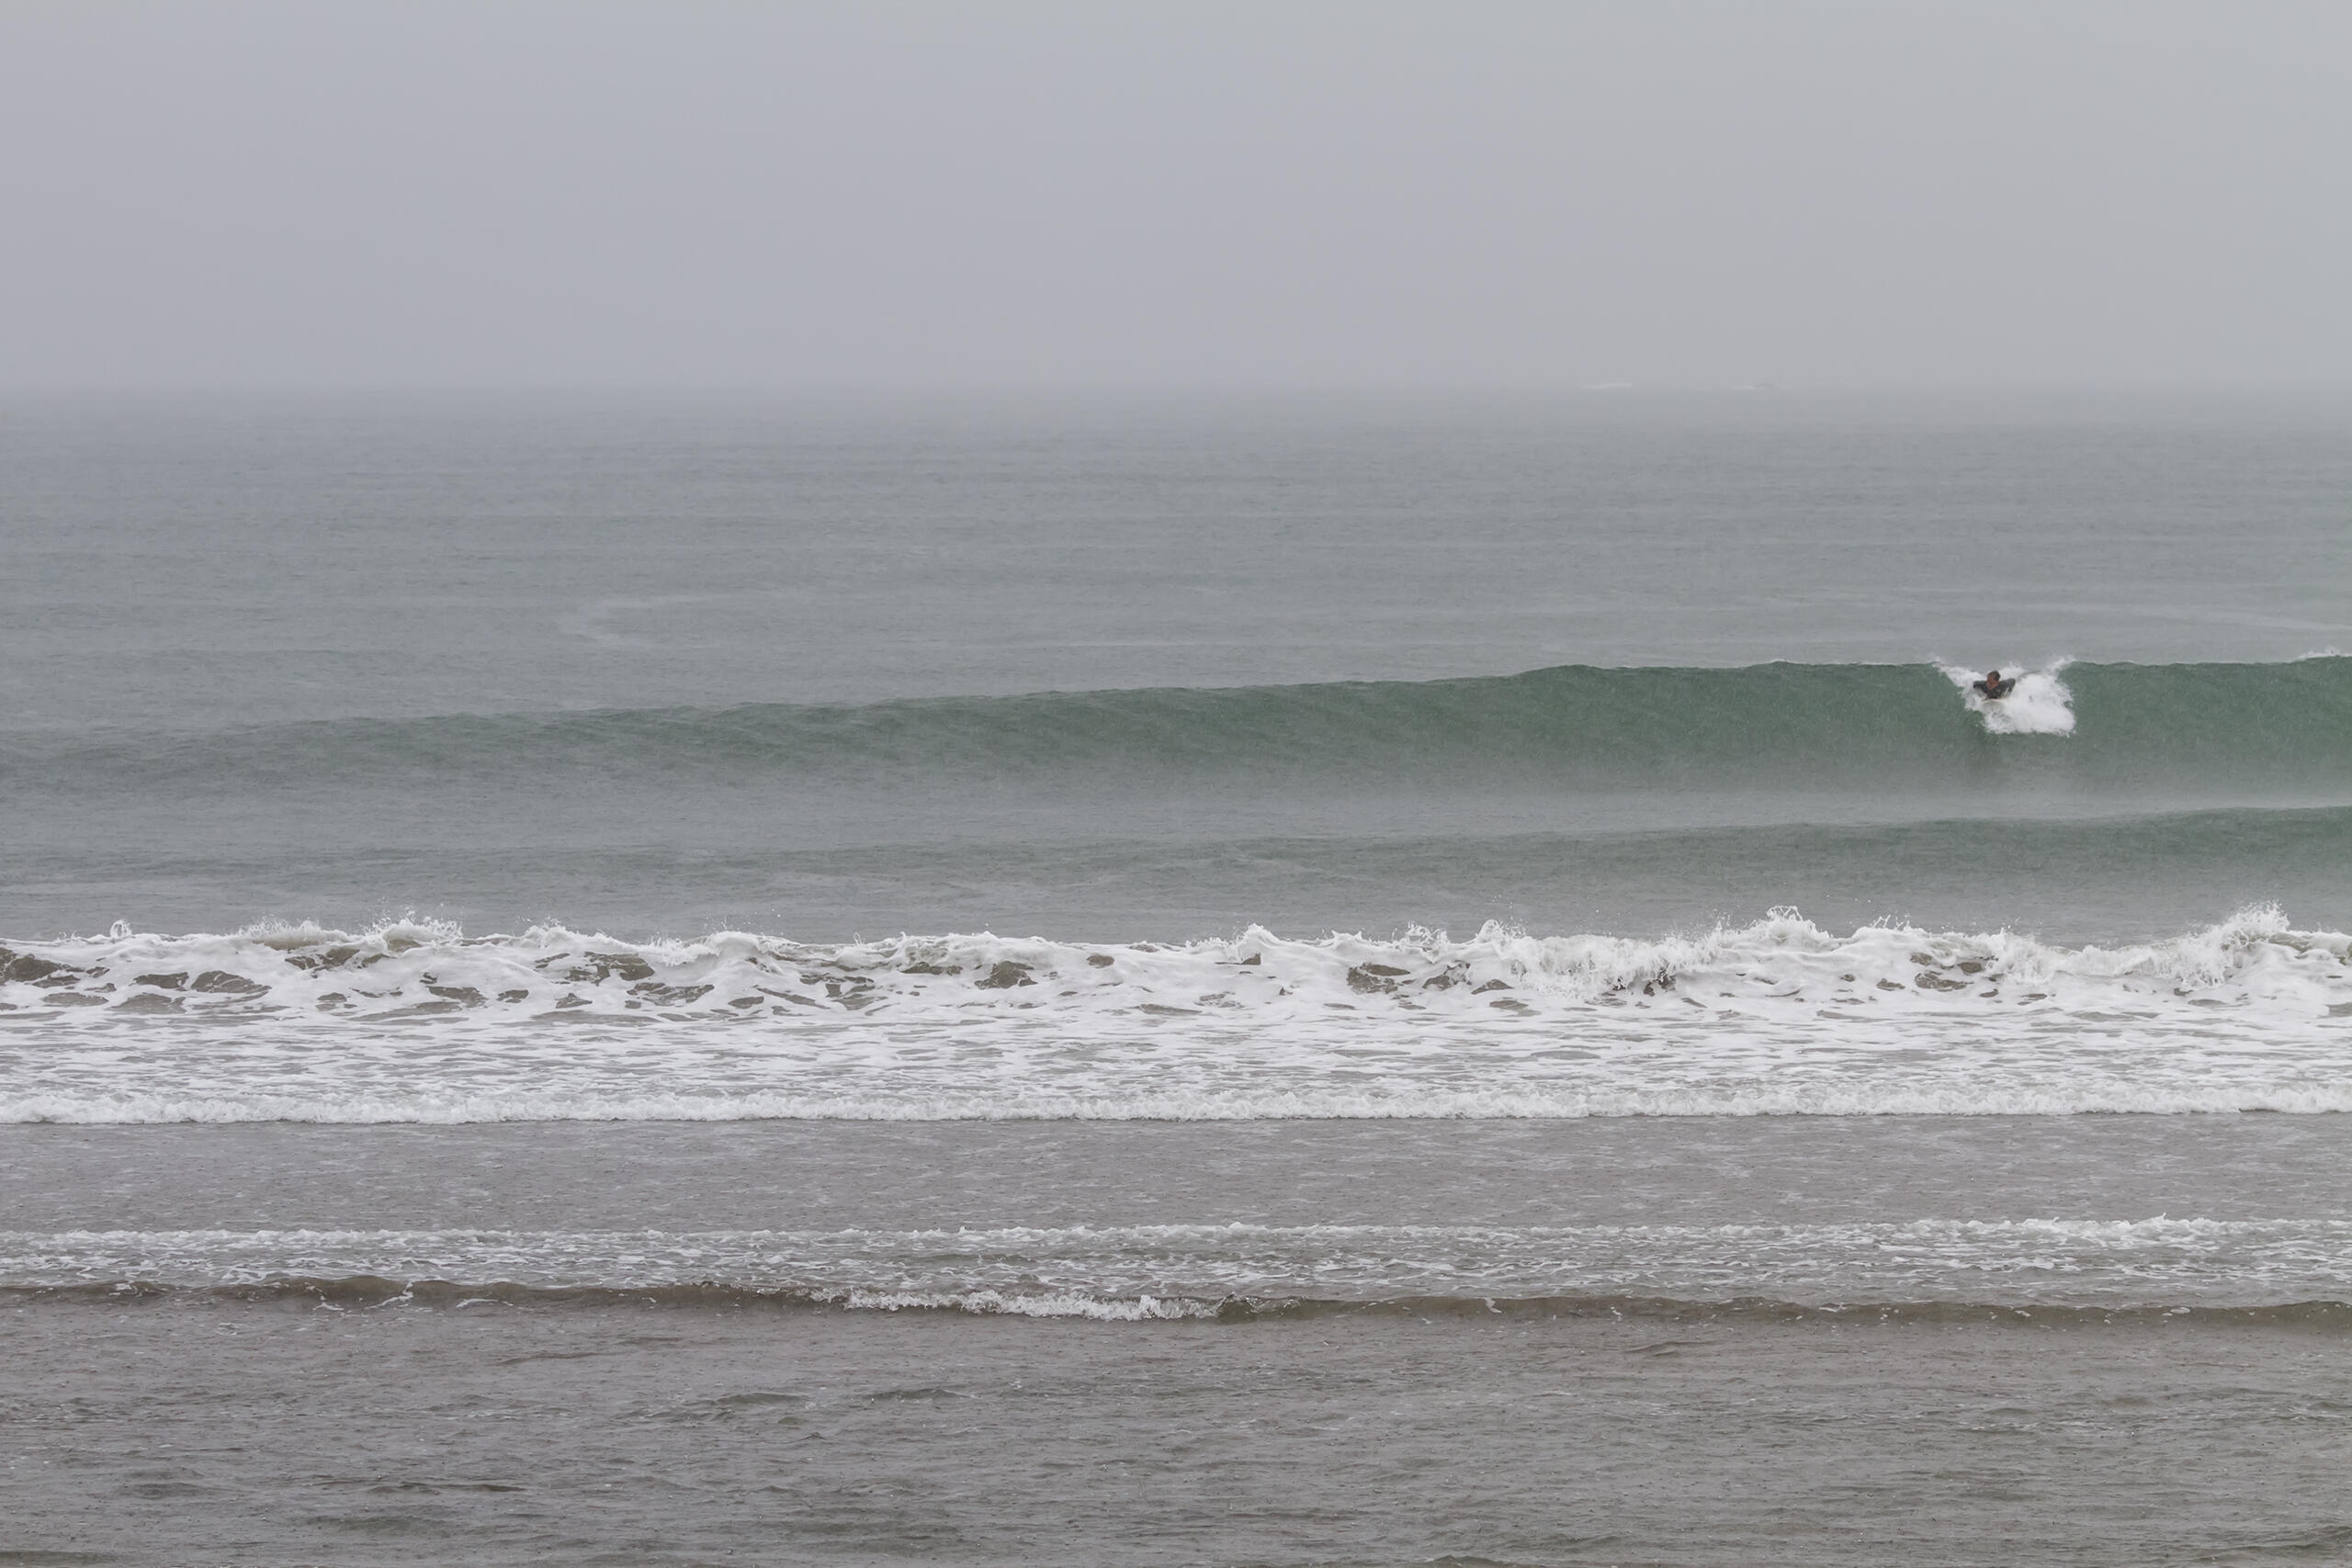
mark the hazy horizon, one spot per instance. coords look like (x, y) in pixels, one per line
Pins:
(526, 196)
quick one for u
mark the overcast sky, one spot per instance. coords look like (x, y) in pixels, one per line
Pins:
(1366, 193)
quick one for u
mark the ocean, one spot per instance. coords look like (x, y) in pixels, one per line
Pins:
(1268, 978)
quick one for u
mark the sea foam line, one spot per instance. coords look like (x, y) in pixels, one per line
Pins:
(430, 1109)
(1176, 1270)
(430, 973)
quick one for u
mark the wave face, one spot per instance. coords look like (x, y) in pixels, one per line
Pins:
(2274, 726)
(418, 1022)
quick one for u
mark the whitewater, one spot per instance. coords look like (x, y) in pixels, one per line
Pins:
(417, 1023)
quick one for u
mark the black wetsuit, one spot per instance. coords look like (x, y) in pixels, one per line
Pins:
(1997, 688)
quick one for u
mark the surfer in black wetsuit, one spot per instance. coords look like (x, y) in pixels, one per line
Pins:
(1994, 686)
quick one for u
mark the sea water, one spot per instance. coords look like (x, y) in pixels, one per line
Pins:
(1272, 978)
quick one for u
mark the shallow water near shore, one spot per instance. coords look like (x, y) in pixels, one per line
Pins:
(1266, 1341)
(269, 1433)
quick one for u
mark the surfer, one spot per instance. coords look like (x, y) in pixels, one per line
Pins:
(1993, 686)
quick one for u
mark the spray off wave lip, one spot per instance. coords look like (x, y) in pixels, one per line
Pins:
(2037, 702)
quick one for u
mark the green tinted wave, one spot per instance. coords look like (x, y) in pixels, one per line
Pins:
(1785, 726)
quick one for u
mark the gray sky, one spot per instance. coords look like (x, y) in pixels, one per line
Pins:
(1264, 192)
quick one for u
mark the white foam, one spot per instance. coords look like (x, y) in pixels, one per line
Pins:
(418, 1022)
(2039, 705)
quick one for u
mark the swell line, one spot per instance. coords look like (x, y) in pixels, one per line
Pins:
(2326, 1315)
(1574, 727)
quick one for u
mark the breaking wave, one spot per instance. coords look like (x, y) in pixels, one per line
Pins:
(2039, 703)
(416, 971)
(417, 1021)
